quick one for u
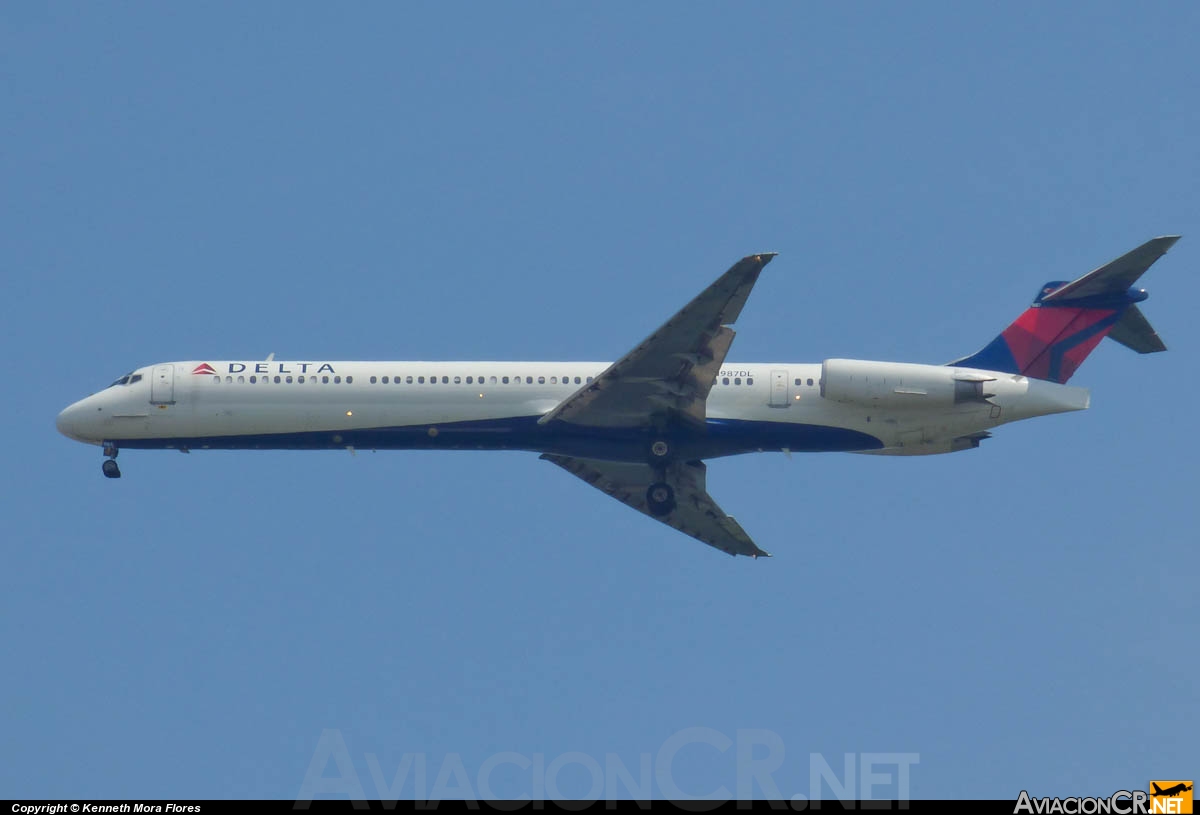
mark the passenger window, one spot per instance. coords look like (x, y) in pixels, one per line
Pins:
(349, 380)
(504, 379)
(253, 379)
(408, 379)
(445, 380)
(457, 380)
(529, 380)
(325, 379)
(241, 380)
(493, 380)
(469, 380)
(810, 382)
(725, 381)
(372, 380)
(799, 382)
(554, 380)
(589, 379)
(737, 380)
(749, 381)
(420, 380)
(577, 381)
(277, 379)
(541, 380)
(216, 380)
(300, 379)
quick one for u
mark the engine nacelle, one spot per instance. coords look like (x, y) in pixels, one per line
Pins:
(902, 384)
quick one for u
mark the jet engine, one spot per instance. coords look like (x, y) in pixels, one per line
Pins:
(902, 384)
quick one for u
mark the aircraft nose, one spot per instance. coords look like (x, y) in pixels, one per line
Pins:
(66, 422)
(70, 422)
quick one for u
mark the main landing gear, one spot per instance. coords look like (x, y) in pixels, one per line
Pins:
(660, 499)
(109, 467)
(660, 496)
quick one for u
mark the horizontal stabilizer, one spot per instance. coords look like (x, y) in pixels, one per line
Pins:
(1134, 331)
(1117, 275)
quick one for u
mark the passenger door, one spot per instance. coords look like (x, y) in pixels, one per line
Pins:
(162, 385)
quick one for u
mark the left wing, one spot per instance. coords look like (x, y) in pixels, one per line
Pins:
(671, 372)
(695, 512)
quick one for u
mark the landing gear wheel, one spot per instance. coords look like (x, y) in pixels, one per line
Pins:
(110, 468)
(659, 450)
(660, 498)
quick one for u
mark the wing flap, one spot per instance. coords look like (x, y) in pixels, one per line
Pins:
(696, 513)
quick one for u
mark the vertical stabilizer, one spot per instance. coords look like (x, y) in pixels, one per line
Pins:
(1067, 320)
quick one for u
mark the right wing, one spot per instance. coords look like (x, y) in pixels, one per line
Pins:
(695, 514)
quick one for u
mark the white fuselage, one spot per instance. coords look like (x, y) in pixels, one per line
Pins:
(496, 405)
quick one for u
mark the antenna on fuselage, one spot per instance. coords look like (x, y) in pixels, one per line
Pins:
(270, 356)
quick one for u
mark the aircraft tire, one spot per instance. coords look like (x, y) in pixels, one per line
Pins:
(110, 468)
(660, 499)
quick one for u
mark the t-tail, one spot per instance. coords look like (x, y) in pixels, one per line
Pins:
(1066, 322)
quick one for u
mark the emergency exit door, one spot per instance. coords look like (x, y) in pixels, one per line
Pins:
(779, 389)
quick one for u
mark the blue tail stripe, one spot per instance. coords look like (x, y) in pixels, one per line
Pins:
(995, 356)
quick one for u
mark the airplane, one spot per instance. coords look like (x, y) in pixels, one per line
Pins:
(1170, 791)
(639, 429)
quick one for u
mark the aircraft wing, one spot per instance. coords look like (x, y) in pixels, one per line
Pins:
(671, 372)
(696, 513)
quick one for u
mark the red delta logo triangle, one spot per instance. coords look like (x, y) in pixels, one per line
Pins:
(204, 368)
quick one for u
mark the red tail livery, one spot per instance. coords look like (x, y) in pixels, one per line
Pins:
(1066, 322)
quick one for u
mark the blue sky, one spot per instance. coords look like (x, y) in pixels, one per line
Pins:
(532, 181)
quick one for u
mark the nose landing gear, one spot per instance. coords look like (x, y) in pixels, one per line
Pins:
(109, 467)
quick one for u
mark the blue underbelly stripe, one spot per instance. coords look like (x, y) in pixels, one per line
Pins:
(722, 437)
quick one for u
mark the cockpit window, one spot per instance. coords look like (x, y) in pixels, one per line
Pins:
(128, 379)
